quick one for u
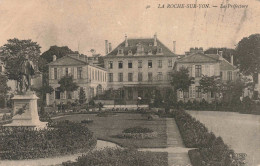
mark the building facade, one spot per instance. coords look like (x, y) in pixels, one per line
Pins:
(200, 64)
(92, 79)
(139, 66)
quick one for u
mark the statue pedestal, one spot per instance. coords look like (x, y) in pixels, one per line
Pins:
(25, 112)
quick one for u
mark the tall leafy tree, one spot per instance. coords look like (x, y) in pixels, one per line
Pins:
(67, 84)
(212, 84)
(180, 80)
(14, 52)
(248, 54)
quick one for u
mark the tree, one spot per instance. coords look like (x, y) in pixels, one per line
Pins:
(58, 51)
(180, 80)
(233, 90)
(82, 96)
(14, 52)
(3, 88)
(211, 84)
(158, 99)
(248, 54)
(226, 52)
(67, 84)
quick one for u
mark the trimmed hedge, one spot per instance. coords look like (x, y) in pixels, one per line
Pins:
(62, 138)
(122, 157)
(211, 149)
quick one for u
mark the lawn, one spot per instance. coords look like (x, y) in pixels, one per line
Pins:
(106, 127)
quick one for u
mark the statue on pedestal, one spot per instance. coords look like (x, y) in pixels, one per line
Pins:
(25, 109)
(27, 71)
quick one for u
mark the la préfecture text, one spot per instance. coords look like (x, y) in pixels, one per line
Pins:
(228, 6)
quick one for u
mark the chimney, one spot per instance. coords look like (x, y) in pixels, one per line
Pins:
(54, 58)
(221, 55)
(232, 60)
(106, 46)
(126, 42)
(174, 47)
(110, 47)
(155, 40)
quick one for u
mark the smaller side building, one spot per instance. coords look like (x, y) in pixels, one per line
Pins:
(91, 78)
(200, 64)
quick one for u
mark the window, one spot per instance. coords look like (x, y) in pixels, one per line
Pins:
(190, 71)
(160, 76)
(159, 63)
(66, 71)
(130, 93)
(140, 64)
(140, 77)
(150, 76)
(169, 63)
(197, 70)
(130, 77)
(212, 94)
(229, 73)
(120, 77)
(110, 64)
(130, 64)
(150, 63)
(55, 73)
(79, 72)
(169, 76)
(186, 94)
(198, 92)
(57, 94)
(110, 77)
(120, 64)
(221, 75)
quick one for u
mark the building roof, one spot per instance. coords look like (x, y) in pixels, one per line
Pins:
(198, 58)
(225, 65)
(147, 44)
(72, 61)
(66, 61)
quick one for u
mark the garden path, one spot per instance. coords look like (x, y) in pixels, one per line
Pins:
(177, 153)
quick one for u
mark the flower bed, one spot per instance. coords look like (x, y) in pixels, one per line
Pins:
(211, 149)
(62, 138)
(122, 157)
(137, 133)
(106, 114)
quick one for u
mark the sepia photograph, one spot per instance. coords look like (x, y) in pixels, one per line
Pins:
(130, 83)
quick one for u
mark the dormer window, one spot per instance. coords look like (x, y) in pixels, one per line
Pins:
(159, 50)
(120, 51)
(150, 52)
(150, 44)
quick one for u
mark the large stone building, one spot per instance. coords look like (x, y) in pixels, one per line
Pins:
(200, 64)
(139, 66)
(90, 77)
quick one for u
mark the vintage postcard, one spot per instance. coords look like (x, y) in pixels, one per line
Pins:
(130, 83)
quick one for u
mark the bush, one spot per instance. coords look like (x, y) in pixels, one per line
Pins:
(87, 121)
(211, 149)
(122, 157)
(105, 114)
(64, 137)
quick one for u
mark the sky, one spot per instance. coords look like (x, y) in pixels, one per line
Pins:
(86, 24)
